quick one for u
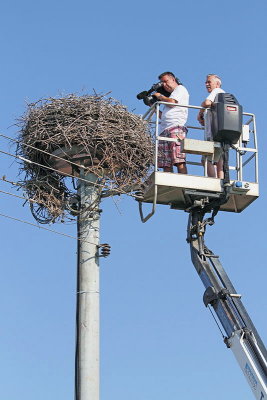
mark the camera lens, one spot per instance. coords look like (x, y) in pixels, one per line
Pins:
(141, 95)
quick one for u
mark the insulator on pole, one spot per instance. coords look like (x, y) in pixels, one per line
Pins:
(104, 250)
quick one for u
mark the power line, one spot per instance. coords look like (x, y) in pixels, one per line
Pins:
(50, 168)
(44, 151)
(26, 198)
(46, 229)
(20, 197)
(40, 227)
(113, 191)
(11, 182)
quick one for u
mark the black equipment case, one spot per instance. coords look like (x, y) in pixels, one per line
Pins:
(226, 119)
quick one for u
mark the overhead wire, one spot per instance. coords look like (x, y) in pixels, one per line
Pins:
(43, 151)
(114, 191)
(3, 178)
(16, 195)
(29, 223)
(92, 205)
(46, 229)
(47, 167)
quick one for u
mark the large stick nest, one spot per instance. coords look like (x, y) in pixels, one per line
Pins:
(117, 142)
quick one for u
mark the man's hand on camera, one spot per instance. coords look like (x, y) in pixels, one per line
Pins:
(159, 96)
(166, 99)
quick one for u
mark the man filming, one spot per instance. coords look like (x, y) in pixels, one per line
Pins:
(173, 120)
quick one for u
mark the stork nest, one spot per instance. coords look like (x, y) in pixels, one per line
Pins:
(117, 143)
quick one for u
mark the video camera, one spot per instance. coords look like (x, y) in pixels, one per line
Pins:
(148, 97)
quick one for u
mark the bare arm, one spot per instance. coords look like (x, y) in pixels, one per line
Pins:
(166, 99)
(205, 104)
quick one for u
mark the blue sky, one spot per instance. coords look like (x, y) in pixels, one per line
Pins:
(157, 339)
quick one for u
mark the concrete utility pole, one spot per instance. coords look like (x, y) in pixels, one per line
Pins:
(87, 352)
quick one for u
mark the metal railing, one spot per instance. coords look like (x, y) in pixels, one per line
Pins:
(244, 156)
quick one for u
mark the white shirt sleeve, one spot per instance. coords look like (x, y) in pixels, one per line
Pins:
(178, 94)
(214, 93)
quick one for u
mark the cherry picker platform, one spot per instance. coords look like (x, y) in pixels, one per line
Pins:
(176, 190)
(199, 195)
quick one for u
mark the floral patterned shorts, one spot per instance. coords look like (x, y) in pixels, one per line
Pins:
(169, 153)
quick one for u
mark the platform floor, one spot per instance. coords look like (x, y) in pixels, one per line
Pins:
(177, 191)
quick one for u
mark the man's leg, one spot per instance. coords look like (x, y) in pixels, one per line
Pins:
(220, 173)
(178, 158)
(167, 169)
(211, 170)
(181, 167)
(165, 153)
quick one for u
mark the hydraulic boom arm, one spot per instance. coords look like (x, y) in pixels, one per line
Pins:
(240, 334)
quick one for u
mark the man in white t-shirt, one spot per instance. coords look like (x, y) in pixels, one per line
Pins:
(213, 85)
(172, 124)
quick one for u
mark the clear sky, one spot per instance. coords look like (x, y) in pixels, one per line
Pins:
(157, 339)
